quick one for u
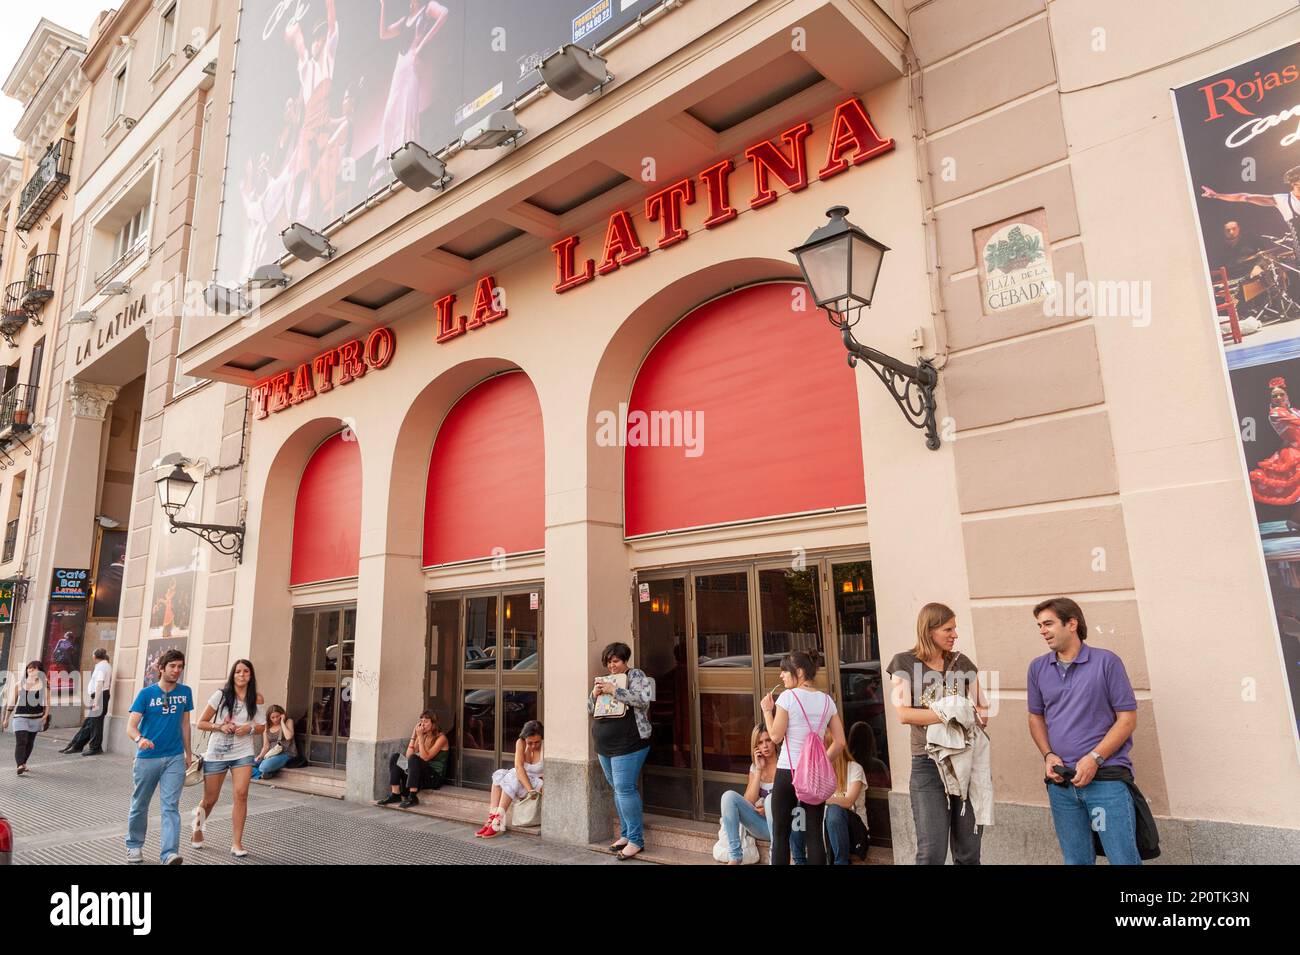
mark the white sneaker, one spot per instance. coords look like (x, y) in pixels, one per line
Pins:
(134, 855)
(173, 859)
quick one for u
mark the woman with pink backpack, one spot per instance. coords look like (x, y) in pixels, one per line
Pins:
(799, 718)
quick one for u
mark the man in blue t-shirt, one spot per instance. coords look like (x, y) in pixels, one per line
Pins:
(161, 732)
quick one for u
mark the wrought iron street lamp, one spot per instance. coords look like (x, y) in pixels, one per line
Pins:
(174, 492)
(841, 265)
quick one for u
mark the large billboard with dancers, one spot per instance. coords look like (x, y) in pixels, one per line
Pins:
(325, 91)
(1241, 137)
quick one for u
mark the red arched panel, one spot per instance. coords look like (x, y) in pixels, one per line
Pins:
(327, 513)
(780, 417)
(487, 475)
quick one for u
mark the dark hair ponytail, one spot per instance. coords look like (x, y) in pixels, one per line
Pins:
(798, 660)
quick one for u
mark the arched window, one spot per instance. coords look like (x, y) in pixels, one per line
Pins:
(327, 513)
(745, 409)
(486, 487)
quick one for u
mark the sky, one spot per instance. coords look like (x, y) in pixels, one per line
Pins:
(20, 19)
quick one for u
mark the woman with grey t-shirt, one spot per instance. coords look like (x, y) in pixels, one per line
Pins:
(927, 672)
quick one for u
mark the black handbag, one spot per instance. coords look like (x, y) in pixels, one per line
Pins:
(859, 837)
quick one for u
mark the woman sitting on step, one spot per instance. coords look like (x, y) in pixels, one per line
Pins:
(426, 763)
(522, 781)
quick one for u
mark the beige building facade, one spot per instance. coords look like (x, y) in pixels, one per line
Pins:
(436, 514)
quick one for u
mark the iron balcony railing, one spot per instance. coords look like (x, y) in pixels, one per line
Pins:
(11, 540)
(18, 409)
(53, 173)
(127, 257)
(40, 280)
(14, 310)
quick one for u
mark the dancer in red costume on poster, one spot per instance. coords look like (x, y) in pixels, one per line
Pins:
(1276, 479)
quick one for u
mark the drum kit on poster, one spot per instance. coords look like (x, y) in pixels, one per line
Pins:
(1264, 294)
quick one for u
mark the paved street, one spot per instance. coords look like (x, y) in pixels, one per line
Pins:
(72, 810)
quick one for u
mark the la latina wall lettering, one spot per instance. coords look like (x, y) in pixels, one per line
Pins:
(338, 366)
(105, 334)
(853, 141)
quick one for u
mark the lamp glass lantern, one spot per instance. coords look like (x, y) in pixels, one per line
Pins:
(174, 491)
(841, 264)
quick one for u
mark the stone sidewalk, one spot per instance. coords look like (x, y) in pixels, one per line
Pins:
(71, 810)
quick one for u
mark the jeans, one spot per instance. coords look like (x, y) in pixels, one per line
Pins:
(1105, 805)
(837, 834)
(92, 729)
(738, 811)
(167, 773)
(270, 766)
(940, 820)
(622, 773)
(785, 834)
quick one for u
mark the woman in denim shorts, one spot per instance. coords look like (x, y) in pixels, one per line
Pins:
(234, 715)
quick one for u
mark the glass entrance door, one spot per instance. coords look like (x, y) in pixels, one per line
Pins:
(712, 639)
(321, 661)
(485, 675)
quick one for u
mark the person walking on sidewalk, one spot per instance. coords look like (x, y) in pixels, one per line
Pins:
(97, 694)
(29, 711)
(1082, 713)
(161, 732)
(231, 720)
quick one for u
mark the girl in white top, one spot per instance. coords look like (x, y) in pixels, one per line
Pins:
(850, 796)
(233, 716)
(519, 782)
(801, 710)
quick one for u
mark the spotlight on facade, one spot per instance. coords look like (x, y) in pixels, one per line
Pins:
(82, 317)
(117, 288)
(269, 276)
(417, 168)
(107, 522)
(573, 72)
(223, 300)
(498, 129)
(306, 244)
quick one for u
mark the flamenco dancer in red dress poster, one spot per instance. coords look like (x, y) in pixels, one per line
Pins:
(1276, 479)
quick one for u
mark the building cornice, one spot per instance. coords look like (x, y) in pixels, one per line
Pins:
(53, 102)
(11, 173)
(43, 50)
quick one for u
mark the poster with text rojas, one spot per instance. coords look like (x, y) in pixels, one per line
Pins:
(326, 90)
(1240, 131)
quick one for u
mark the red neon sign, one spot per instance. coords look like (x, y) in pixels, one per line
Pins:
(853, 141)
(350, 360)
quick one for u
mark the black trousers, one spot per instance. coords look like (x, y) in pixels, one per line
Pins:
(417, 775)
(25, 743)
(92, 730)
(784, 803)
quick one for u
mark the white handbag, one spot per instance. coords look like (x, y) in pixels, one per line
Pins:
(748, 847)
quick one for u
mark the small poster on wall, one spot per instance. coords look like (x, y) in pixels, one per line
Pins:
(155, 650)
(110, 566)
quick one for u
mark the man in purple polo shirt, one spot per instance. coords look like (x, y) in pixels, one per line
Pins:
(1082, 714)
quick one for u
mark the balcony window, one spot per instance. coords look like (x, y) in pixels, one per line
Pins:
(52, 175)
(119, 239)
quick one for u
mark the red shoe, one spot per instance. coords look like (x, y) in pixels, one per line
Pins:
(492, 832)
